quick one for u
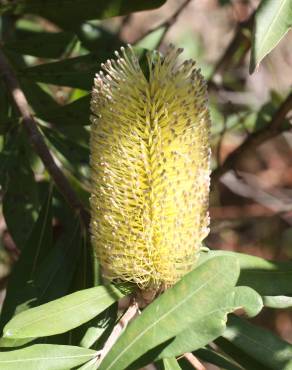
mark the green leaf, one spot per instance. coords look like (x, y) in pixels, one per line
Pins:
(91, 336)
(45, 357)
(277, 301)
(95, 37)
(243, 359)
(68, 14)
(217, 359)
(7, 342)
(258, 343)
(100, 328)
(212, 324)
(4, 111)
(55, 274)
(42, 44)
(272, 21)
(75, 113)
(38, 99)
(20, 192)
(73, 155)
(90, 365)
(266, 277)
(246, 298)
(174, 311)
(20, 288)
(74, 72)
(199, 333)
(171, 364)
(63, 314)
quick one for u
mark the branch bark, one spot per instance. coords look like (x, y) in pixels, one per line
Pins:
(166, 23)
(255, 139)
(194, 361)
(38, 141)
(129, 315)
(239, 40)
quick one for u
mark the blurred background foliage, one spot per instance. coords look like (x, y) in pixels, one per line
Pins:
(55, 48)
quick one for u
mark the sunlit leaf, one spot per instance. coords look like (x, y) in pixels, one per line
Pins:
(62, 314)
(199, 291)
(272, 21)
(213, 323)
(279, 301)
(260, 344)
(269, 278)
(45, 357)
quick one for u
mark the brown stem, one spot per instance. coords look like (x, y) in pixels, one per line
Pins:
(117, 330)
(240, 39)
(37, 139)
(167, 23)
(194, 361)
(255, 139)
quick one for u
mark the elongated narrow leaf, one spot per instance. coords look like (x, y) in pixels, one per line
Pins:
(7, 342)
(76, 113)
(20, 192)
(99, 329)
(277, 301)
(211, 325)
(260, 344)
(38, 99)
(73, 156)
(174, 311)
(4, 111)
(171, 364)
(74, 72)
(69, 14)
(42, 44)
(239, 356)
(95, 37)
(55, 274)
(217, 359)
(272, 21)
(45, 357)
(62, 314)
(266, 277)
(21, 289)
(90, 365)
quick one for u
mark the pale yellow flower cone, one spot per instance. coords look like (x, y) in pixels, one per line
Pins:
(150, 161)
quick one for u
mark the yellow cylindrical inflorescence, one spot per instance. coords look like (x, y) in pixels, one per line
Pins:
(150, 162)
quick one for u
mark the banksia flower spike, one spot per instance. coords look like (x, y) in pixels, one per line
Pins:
(150, 168)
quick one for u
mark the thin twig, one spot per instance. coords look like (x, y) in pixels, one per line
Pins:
(255, 139)
(117, 330)
(125, 22)
(220, 142)
(194, 361)
(166, 23)
(37, 139)
(240, 39)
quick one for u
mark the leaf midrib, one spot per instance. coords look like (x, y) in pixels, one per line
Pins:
(46, 358)
(270, 27)
(161, 318)
(54, 314)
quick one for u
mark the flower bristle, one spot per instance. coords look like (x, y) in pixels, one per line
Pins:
(150, 163)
